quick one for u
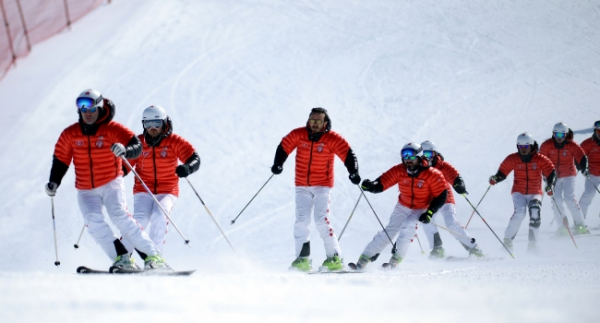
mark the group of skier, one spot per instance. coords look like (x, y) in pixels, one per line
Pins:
(103, 151)
(99, 147)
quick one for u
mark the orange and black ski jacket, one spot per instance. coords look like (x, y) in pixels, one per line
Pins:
(425, 189)
(591, 147)
(528, 172)
(88, 146)
(156, 165)
(315, 156)
(450, 175)
(564, 156)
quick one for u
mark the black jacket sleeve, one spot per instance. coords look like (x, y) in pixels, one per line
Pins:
(551, 178)
(280, 156)
(438, 201)
(459, 185)
(58, 170)
(193, 162)
(351, 162)
(583, 164)
(133, 149)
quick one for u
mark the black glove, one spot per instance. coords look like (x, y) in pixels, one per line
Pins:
(354, 178)
(586, 172)
(460, 188)
(368, 185)
(276, 169)
(426, 217)
(183, 170)
(51, 188)
(549, 190)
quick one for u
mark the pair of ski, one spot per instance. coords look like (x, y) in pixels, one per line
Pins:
(386, 266)
(119, 270)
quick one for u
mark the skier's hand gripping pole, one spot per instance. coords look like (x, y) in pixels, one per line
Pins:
(484, 221)
(208, 211)
(155, 200)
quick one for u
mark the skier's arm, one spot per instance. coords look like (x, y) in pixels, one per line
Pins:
(437, 202)
(280, 158)
(191, 165)
(58, 171)
(459, 185)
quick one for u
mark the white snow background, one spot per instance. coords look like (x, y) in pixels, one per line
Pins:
(235, 77)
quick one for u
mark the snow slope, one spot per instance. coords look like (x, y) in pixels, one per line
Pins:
(235, 77)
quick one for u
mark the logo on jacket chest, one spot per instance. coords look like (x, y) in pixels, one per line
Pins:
(79, 143)
(534, 166)
(564, 153)
(163, 152)
(145, 153)
(420, 183)
(100, 142)
(320, 147)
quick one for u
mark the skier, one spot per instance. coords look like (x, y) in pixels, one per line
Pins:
(529, 166)
(157, 167)
(315, 144)
(591, 147)
(564, 153)
(448, 211)
(422, 193)
(96, 144)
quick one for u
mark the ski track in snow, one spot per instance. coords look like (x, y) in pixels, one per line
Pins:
(236, 77)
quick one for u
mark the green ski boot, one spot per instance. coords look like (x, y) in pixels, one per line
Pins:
(437, 253)
(333, 263)
(302, 264)
(476, 252)
(580, 229)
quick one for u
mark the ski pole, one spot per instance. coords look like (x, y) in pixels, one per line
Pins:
(208, 211)
(381, 224)
(589, 177)
(155, 200)
(419, 241)
(233, 221)
(565, 221)
(484, 221)
(351, 214)
(76, 245)
(56, 263)
(473, 213)
(453, 232)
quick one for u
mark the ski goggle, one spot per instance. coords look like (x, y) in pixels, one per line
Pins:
(523, 146)
(597, 125)
(313, 121)
(86, 104)
(408, 154)
(428, 154)
(152, 124)
(560, 135)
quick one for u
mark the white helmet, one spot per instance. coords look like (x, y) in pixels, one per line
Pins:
(411, 149)
(429, 145)
(560, 127)
(525, 139)
(154, 112)
(89, 99)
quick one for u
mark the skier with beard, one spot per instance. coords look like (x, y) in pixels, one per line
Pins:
(316, 145)
(95, 144)
(529, 166)
(422, 193)
(448, 211)
(158, 169)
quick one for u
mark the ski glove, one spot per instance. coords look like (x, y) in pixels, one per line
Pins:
(118, 149)
(354, 178)
(494, 180)
(276, 169)
(51, 188)
(368, 185)
(459, 186)
(183, 170)
(426, 217)
(586, 172)
(549, 190)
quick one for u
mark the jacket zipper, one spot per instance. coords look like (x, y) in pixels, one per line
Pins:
(309, 163)
(526, 178)
(412, 193)
(91, 162)
(154, 163)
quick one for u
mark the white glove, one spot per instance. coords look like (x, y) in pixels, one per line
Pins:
(118, 149)
(51, 188)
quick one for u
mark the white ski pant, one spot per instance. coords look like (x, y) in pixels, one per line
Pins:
(317, 198)
(448, 211)
(591, 185)
(403, 222)
(151, 218)
(521, 203)
(564, 191)
(112, 197)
